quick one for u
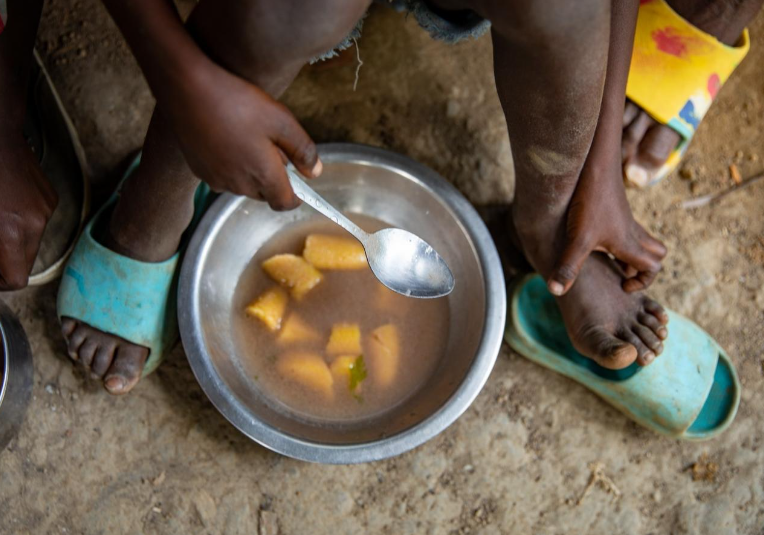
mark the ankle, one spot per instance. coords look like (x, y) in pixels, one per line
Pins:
(149, 229)
(538, 241)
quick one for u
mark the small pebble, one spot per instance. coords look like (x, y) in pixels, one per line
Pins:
(159, 479)
(469, 468)
(687, 173)
(50, 389)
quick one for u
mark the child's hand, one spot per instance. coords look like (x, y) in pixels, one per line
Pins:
(26, 205)
(237, 138)
(599, 219)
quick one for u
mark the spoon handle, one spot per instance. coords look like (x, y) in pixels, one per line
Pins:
(306, 194)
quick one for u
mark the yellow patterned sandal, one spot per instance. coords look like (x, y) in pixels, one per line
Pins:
(676, 72)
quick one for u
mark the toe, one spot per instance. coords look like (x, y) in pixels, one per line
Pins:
(103, 358)
(656, 310)
(76, 339)
(650, 321)
(633, 134)
(607, 350)
(656, 146)
(649, 338)
(630, 112)
(67, 327)
(126, 369)
(87, 352)
(644, 354)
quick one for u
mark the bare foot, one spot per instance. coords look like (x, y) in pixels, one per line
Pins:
(147, 223)
(608, 325)
(646, 143)
(114, 360)
(605, 323)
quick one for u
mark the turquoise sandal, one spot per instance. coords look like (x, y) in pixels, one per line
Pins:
(690, 392)
(118, 295)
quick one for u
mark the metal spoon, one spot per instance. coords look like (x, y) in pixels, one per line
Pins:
(399, 259)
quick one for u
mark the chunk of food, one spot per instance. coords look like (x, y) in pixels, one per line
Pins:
(384, 354)
(293, 272)
(334, 252)
(307, 369)
(351, 370)
(269, 308)
(296, 331)
(345, 340)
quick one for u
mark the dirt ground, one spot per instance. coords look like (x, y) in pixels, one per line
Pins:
(163, 461)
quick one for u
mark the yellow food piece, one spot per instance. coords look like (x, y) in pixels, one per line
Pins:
(293, 272)
(269, 308)
(295, 330)
(308, 369)
(334, 252)
(345, 340)
(384, 354)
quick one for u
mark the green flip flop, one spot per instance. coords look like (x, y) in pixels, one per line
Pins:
(690, 392)
(119, 295)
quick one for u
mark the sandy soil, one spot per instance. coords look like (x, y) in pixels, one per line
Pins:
(163, 461)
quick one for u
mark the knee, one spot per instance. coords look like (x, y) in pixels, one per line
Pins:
(542, 21)
(264, 32)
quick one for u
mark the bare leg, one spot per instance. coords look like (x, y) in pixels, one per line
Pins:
(156, 205)
(647, 144)
(550, 61)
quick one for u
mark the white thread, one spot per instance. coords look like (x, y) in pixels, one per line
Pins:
(360, 63)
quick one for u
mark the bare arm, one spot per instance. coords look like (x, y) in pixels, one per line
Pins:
(599, 217)
(232, 133)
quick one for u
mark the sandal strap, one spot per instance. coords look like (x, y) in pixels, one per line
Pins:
(121, 296)
(677, 69)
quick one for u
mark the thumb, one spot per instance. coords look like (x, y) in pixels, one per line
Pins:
(568, 266)
(295, 142)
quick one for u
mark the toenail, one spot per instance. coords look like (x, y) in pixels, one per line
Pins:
(114, 384)
(649, 357)
(555, 288)
(637, 176)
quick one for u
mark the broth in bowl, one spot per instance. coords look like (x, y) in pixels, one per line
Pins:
(323, 337)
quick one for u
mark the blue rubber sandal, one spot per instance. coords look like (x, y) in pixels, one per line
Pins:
(118, 295)
(690, 392)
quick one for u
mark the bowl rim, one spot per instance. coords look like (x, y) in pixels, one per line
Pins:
(477, 375)
(17, 374)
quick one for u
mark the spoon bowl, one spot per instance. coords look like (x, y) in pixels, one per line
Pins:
(400, 260)
(407, 264)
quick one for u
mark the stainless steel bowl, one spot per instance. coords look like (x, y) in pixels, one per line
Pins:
(357, 180)
(15, 375)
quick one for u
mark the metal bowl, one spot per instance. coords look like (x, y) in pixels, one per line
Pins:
(357, 180)
(15, 375)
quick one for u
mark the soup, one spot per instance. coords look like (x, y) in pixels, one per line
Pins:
(325, 339)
